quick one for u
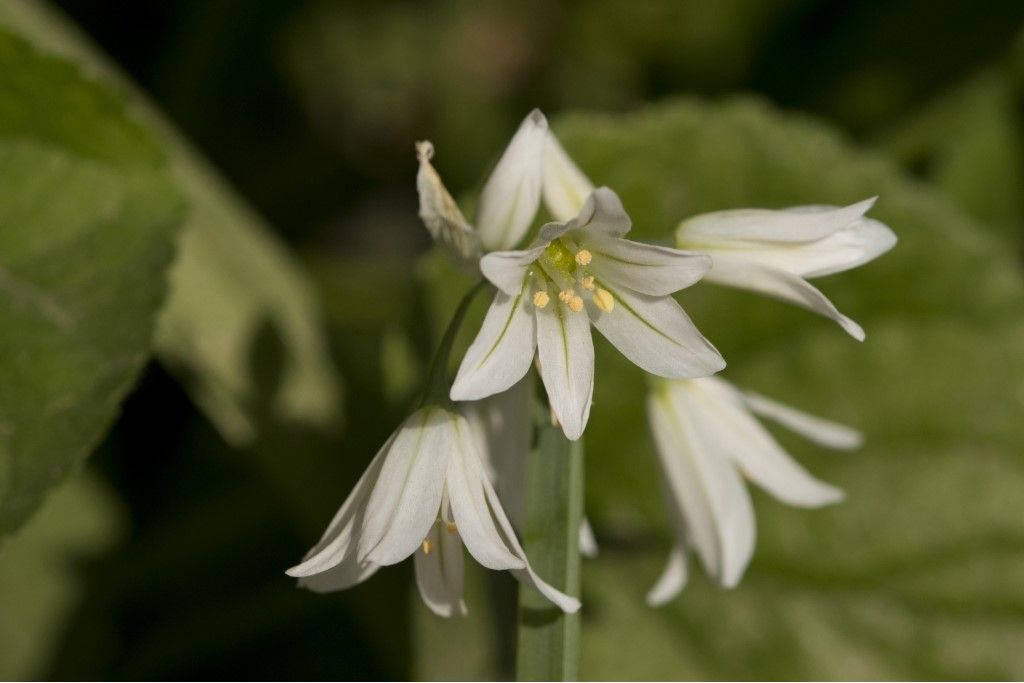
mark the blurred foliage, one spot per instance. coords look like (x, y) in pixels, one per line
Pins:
(311, 108)
(87, 216)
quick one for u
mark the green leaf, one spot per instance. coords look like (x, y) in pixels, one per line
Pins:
(232, 280)
(87, 217)
(39, 582)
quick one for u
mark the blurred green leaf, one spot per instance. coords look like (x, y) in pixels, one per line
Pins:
(919, 573)
(39, 584)
(232, 278)
(87, 219)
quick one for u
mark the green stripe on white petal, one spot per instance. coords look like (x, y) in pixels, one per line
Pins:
(735, 271)
(408, 492)
(565, 350)
(466, 481)
(703, 484)
(439, 571)
(822, 432)
(672, 580)
(796, 224)
(511, 195)
(743, 439)
(646, 268)
(565, 186)
(656, 334)
(502, 351)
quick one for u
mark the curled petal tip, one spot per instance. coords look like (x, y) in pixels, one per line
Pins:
(537, 118)
(424, 150)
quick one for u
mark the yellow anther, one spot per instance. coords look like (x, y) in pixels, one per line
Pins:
(427, 547)
(566, 295)
(588, 283)
(452, 527)
(604, 300)
(541, 299)
(576, 304)
(584, 257)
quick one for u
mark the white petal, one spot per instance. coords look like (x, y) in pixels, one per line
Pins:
(466, 485)
(439, 573)
(503, 427)
(509, 200)
(507, 269)
(565, 350)
(705, 486)
(645, 268)
(673, 578)
(588, 542)
(735, 271)
(407, 495)
(526, 575)
(565, 185)
(796, 224)
(441, 214)
(502, 351)
(743, 439)
(656, 334)
(822, 432)
(603, 214)
(336, 548)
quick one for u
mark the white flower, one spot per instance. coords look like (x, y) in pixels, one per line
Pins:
(507, 205)
(578, 272)
(708, 441)
(426, 493)
(775, 252)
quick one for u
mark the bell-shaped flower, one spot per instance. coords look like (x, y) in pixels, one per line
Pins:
(580, 272)
(708, 441)
(507, 205)
(775, 252)
(425, 493)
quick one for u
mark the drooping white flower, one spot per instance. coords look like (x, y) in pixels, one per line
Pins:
(775, 252)
(507, 205)
(708, 440)
(425, 493)
(580, 272)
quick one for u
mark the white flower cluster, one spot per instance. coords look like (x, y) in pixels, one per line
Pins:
(429, 490)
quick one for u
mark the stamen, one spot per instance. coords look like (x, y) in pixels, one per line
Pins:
(427, 546)
(588, 283)
(576, 304)
(541, 299)
(452, 527)
(584, 257)
(604, 300)
(566, 295)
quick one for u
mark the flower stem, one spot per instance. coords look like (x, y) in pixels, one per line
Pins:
(549, 640)
(436, 390)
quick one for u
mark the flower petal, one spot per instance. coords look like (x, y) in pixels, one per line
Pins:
(441, 214)
(705, 487)
(565, 187)
(502, 351)
(588, 542)
(526, 575)
(656, 334)
(672, 580)
(603, 214)
(565, 350)
(466, 482)
(439, 573)
(795, 224)
(407, 495)
(507, 269)
(735, 271)
(336, 550)
(747, 443)
(645, 268)
(509, 200)
(822, 432)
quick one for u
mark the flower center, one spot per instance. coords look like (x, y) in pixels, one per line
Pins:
(564, 272)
